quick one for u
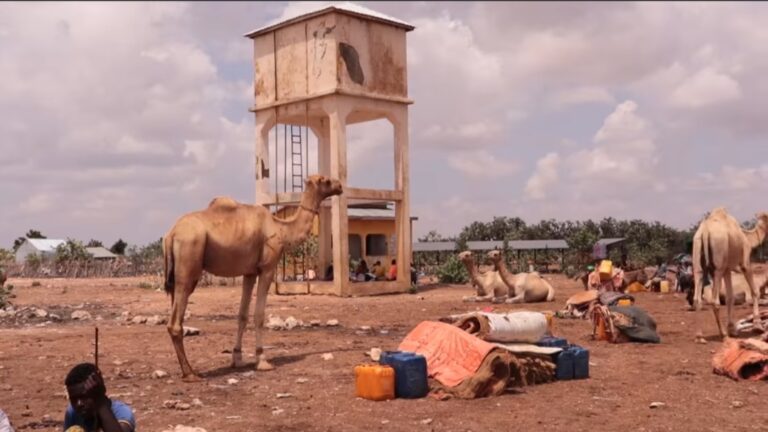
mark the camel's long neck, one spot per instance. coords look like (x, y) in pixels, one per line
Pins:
(755, 236)
(474, 275)
(297, 228)
(504, 272)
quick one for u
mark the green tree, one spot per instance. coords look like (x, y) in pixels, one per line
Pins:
(432, 236)
(94, 243)
(31, 234)
(71, 250)
(119, 247)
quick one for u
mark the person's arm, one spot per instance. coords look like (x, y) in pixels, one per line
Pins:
(109, 423)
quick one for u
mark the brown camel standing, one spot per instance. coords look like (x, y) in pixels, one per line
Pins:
(523, 287)
(720, 246)
(232, 239)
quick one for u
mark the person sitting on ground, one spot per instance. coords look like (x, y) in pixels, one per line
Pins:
(392, 275)
(362, 271)
(90, 409)
(379, 273)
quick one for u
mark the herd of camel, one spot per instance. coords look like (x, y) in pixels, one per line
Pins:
(231, 239)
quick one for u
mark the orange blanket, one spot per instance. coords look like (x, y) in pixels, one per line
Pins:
(452, 354)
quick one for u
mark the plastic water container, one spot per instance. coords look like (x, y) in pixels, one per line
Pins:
(624, 302)
(580, 362)
(605, 270)
(375, 382)
(552, 341)
(410, 373)
(664, 286)
(564, 365)
(572, 363)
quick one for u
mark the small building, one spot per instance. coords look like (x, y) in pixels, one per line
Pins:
(44, 248)
(100, 253)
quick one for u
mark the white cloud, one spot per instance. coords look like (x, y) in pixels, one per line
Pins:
(582, 95)
(545, 176)
(706, 87)
(481, 164)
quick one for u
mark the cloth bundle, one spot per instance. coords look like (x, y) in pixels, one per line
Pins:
(742, 359)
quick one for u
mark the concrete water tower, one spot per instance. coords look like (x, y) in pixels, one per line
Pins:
(326, 69)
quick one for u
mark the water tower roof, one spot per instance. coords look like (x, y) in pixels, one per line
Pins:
(348, 8)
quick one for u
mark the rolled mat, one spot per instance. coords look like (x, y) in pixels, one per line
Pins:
(742, 359)
(520, 326)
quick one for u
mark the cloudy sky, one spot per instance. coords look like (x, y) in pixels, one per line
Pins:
(119, 117)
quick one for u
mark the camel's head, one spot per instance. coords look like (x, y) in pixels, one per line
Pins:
(465, 256)
(762, 220)
(494, 256)
(324, 186)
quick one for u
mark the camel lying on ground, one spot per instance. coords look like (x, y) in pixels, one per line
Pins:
(523, 287)
(489, 285)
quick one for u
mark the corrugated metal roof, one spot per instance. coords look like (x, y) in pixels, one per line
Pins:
(45, 245)
(492, 244)
(610, 241)
(370, 213)
(100, 252)
(346, 7)
(434, 246)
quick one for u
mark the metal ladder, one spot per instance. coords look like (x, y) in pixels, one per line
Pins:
(297, 159)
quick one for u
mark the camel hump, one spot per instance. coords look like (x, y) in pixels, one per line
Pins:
(223, 203)
(718, 212)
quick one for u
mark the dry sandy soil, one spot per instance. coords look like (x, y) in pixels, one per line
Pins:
(625, 378)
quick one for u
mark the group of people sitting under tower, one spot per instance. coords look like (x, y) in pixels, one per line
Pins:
(363, 274)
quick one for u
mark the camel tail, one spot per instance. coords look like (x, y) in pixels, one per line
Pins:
(168, 267)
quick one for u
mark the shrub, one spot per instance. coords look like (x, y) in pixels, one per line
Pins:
(452, 272)
(36, 283)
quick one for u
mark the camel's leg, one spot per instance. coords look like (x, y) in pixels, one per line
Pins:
(729, 304)
(716, 283)
(183, 288)
(242, 319)
(520, 298)
(265, 279)
(747, 270)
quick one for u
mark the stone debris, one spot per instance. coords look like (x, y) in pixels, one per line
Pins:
(277, 411)
(81, 315)
(158, 374)
(332, 323)
(365, 328)
(191, 331)
(327, 356)
(40, 313)
(284, 395)
(176, 404)
(737, 404)
(657, 404)
(426, 421)
(232, 381)
(156, 320)
(301, 380)
(374, 354)
(182, 428)
(139, 319)
(315, 323)
(197, 402)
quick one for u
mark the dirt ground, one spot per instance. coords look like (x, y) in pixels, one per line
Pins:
(625, 378)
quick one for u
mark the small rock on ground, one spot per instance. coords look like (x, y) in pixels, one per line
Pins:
(327, 356)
